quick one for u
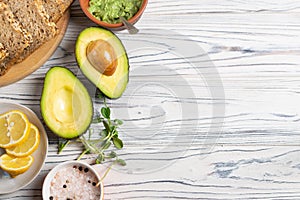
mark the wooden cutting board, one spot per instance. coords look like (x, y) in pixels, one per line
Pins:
(38, 57)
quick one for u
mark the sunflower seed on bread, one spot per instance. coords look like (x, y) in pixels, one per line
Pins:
(3, 55)
(3, 52)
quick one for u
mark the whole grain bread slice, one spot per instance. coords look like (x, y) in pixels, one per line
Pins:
(33, 16)
(64, 5)
(56, 8)
(14, 38)
(53, 9)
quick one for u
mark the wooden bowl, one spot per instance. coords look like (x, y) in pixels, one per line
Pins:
(84, 4)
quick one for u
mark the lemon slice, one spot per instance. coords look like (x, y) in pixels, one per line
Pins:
(14, 128)
(28, 146)
(15, 166)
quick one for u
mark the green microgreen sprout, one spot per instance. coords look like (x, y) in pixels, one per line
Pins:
(108, 136)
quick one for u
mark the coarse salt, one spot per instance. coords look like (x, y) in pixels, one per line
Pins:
(74, 182)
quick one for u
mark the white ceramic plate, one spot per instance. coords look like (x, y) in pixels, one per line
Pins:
(7, 184)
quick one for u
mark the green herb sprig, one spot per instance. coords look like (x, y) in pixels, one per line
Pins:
(109, 135)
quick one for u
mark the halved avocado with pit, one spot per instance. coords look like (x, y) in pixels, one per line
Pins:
(103, 60)
(66, 105)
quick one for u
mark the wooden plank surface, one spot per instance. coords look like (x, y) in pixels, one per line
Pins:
(171, 146)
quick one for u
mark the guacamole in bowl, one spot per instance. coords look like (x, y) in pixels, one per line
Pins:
(109, 11)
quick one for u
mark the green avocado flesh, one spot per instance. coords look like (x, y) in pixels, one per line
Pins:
(113, 85)
(66, 105)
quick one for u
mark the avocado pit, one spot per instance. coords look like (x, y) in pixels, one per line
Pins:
(102, 57)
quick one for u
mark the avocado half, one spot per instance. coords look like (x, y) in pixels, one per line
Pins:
(113, 83)
(66, 105)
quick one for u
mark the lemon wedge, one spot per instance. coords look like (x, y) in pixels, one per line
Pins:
(14, 165)
(14, 128)
(28, 146)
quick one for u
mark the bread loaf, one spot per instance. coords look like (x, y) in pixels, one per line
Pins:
(31, 14)
(25, 26)
(14, 38)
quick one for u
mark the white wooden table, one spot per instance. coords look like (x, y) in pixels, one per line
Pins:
(225, 125)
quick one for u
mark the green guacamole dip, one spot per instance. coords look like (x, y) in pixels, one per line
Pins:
(109, 11)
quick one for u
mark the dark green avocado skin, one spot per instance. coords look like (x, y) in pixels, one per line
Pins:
(46, 101)
(102, 82)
